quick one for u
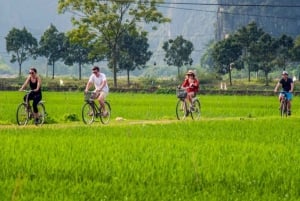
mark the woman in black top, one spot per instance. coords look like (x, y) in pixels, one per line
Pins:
(34, 82)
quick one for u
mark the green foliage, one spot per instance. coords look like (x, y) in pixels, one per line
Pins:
(178, 52)
(52, 46)
(134, 52)
(21, 44)
(240, 150)
(71, 117)
(104, 23)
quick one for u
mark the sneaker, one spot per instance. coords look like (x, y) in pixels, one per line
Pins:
(36, 121)
(105, 114)
(289, 113)
(192, 108)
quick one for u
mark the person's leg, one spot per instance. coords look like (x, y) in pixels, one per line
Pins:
(101, 100)
(36, 100)
(289, 105)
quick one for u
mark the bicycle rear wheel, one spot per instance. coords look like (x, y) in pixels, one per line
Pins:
(88, 113)
(22, 114)
(196, 112)
(42, 112)
(181, 110)
(105, 117)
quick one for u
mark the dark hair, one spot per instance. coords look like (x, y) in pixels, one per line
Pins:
(33, 69)
(96, 68)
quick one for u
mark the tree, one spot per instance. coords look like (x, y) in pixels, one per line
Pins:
(78, 52)
(178, 52)
(226, 54)
(22, 45)
(284, 50)
(106, 21)
(264, 53)
(246, 36)
(134, 52)
(52, 46)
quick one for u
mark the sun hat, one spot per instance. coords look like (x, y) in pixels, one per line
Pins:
(284, 73)
(190, 72)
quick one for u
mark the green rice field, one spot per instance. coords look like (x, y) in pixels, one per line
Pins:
(240, 149)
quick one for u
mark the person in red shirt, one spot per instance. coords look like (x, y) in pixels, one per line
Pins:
(191, 84)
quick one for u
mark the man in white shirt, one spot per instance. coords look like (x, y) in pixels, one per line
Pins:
(101, 87)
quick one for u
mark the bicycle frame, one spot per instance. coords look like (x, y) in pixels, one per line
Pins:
(184, 108)
(25, 112)
(91, 110)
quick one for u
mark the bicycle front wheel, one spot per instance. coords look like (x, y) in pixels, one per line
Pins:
(42, 112)
(196, 112)
(283, 109)
(88, 113)
(22, 114)
(181, 110)
(105, 116)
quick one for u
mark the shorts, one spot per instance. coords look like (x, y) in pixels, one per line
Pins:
(288, 95)
(103, 94)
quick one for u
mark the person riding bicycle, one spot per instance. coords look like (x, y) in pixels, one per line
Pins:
(101, 87)
(288, 87)
(35, 83)
(191, 84)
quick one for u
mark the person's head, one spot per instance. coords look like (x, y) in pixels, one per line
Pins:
(32, 71)
(190, 73)
(285, 74)
(96, 70)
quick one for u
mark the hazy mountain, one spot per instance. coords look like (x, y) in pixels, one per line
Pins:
(193, 22)
(276, 17)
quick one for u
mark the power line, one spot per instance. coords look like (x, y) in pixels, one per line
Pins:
(231, 13)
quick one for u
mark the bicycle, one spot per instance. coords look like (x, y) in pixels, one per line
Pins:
(25, 112)
(90, 110)
(283, 104)
(183, 107)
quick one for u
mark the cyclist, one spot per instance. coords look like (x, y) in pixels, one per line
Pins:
(35, 83)
(191, 84)
(101, 88)
(288, 87)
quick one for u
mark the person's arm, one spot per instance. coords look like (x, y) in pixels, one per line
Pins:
(39, 84)
(88, 85)
(185, 83)
(102, 85)
(25, 84)
(292, 87)
(276, 87)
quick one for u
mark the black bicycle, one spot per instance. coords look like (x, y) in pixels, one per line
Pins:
(91, 111)
(184, 108)
(283, 105)
(25, 113)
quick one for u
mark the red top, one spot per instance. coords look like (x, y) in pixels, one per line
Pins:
(191, 86)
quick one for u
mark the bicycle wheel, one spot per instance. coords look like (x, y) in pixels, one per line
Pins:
(283, 109)
(104, 118)
(88, 113)
(42, 112)
(181, 109)
(196, 111)
(22, 114)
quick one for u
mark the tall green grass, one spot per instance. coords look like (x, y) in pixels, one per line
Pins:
(240, 150)
(60, 105)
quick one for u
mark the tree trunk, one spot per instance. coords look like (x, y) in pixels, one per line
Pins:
(20, 67)
(266, 77)
(128, 80)
(230, 77)
(79, 70)
(53, 69)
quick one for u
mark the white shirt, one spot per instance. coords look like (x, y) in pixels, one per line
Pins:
(97, 81)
